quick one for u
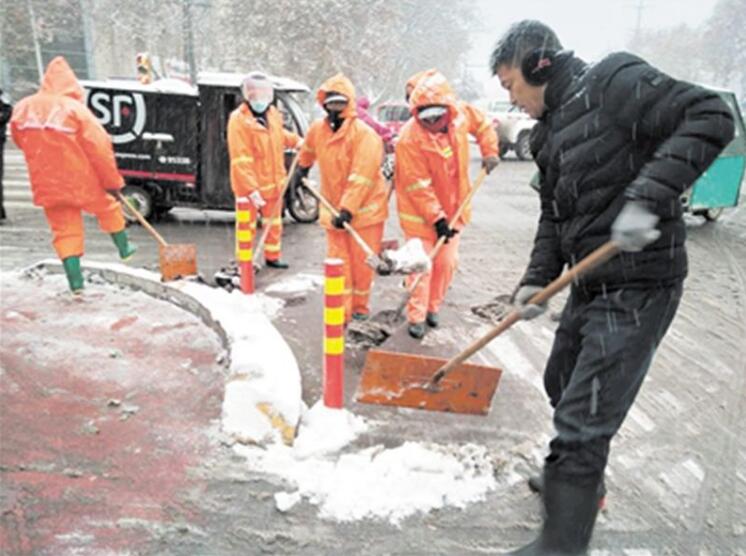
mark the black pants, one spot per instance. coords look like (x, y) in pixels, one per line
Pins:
(2, 157)
(601, 354)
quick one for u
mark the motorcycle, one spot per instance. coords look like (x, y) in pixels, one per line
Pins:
(300, 203)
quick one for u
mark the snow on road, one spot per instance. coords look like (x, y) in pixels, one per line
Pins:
(262, 408)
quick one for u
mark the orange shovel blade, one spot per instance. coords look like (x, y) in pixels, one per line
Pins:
(177, 260)
(399, 379)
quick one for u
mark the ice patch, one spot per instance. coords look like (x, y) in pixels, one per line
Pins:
(285, 501)
(296, 284)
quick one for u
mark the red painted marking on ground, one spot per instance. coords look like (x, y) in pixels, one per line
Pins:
(79, 473)
(122, 323)
(171, 327)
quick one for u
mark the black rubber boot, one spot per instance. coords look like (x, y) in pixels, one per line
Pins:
(416, 330)
(570, 515)
(536, 484)
(432, 320)
(276, 264)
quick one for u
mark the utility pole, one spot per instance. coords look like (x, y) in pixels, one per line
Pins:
(90, 63)
(35, 38)
(189, 39)
(638, 25)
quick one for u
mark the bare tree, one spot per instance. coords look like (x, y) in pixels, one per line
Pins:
(725, 40)
(713, 53)
(377, 43)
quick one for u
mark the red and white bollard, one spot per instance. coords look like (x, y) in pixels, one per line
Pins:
(245, 213)
(334, 333)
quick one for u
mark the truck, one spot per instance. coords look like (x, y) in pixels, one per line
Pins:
(170, 139)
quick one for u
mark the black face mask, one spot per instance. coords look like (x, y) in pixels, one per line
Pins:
(335, 119)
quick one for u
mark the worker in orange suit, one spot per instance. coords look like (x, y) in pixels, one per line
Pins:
(432, 180)
(256, 144)
(71, 165)
(349, 154)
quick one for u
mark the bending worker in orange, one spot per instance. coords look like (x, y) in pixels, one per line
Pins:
(71, 164)
(256, 144)
(432, 180)
(349, 153)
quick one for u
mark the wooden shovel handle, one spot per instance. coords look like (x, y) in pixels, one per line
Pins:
(140, 218)
(360, 241)
(454, 219)
(280, 200)
(598, 257)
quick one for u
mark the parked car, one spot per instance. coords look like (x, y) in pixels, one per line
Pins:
(170, 138)
(393, 115)
(513, 128)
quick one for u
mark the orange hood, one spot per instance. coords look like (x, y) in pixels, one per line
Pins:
(433, 88)
(412, 81)
(59, 79)
(343, 85)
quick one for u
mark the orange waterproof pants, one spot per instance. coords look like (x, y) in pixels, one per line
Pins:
(431, 291)
(358, 275)
(66, 223)
(272, 217)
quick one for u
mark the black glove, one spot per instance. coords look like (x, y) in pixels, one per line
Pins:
(442, 229)
(344, 216)
(489, 163)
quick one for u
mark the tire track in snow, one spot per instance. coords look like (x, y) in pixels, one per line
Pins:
(717, 505)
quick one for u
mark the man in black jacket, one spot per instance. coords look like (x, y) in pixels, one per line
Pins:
(617, 143)
(6, 111)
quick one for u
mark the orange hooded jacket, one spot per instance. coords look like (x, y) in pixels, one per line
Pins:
(257, 152)
(412, 81)
(424, 191)
(68, 152)
(349, 161)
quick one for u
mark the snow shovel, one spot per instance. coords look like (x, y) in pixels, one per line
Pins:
(434, 253)
(451, 385)
(280, 199)
(381, 266)
(176, 260)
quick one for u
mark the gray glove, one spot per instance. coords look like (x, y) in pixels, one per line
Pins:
(635, 226)
(529, 311)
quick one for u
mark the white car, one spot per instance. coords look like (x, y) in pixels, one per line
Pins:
(513, 127)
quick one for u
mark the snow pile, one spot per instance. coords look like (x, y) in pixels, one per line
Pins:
(323, 430)
(411, 257)
(296, 284)
(262, 401)
(375, 482)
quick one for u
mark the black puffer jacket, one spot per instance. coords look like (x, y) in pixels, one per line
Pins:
(613, 131)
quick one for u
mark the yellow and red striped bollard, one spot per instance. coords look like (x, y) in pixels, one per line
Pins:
(245, 243)
(334, 333)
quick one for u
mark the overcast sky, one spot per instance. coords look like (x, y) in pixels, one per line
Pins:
(592, 28)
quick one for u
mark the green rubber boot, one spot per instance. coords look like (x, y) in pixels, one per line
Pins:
(74, 276)
(126, 249)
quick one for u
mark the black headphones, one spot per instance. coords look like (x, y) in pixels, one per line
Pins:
(538, 66)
